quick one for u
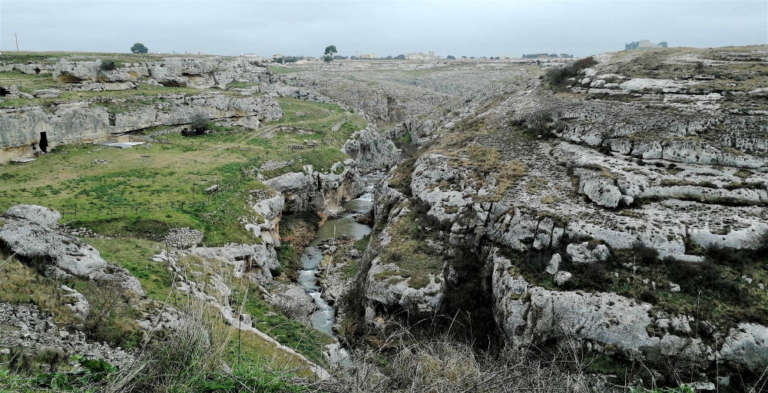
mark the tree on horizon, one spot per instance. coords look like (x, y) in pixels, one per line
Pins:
(139, 48)
(330, 51)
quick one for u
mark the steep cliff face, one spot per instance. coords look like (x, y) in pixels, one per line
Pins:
(92, 121)
(607, 218)
(74, 101)
(314, 192)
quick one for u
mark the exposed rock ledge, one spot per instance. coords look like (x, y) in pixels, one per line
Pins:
(89, 121)
(527, 313)
(30, 233)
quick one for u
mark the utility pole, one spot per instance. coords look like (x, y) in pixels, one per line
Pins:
(16, 35)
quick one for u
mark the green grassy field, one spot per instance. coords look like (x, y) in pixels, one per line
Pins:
(144, 191)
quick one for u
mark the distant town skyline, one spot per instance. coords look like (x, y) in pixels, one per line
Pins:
(357, 27)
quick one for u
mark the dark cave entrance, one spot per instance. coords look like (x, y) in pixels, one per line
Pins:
(44, 142)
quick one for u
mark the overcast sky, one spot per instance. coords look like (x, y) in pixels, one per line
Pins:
(383, 27)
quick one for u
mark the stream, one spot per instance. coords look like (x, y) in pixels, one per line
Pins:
(345, 226)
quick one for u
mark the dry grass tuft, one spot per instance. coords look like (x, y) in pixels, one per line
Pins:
(406, 364)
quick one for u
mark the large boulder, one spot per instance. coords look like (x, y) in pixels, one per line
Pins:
(38, 214)
(291, 299)
(31, 234)
(747, 344)
(587, 252)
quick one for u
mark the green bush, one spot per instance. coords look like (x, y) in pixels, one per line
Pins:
(108, 65)
(556, 77)
(200, 122)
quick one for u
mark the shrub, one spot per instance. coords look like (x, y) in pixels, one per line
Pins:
(556, 77)
(200, 122)
(111, 318)
(543, 123)
(108, 65)
(644, 255)
(199, 125)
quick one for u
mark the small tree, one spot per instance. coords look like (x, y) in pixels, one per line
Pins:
(198, 125)
(330, 51)
(139, 48)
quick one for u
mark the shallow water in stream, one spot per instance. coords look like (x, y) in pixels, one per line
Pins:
(343, 227)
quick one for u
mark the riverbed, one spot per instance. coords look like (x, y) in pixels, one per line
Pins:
(343, 227)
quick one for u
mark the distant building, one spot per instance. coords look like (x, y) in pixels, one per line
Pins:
(645, 44)
(368, 56)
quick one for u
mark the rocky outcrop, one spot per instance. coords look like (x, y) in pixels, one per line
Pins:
(311, 191)
(292, 300)
(747, 344)
(90, 121)
(634, 192)
(198, 72)
(31, 234)
(266, 224)
(258, 261)
(608, 322)
(371, 150)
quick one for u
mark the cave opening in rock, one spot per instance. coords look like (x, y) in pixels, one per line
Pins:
(173, 83)
(469, 302)
(4, 92)
(37, 70)
(44, 142)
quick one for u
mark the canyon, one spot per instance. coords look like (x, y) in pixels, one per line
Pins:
(616, 204)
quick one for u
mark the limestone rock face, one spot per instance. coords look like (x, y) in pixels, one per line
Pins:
(30, 234)
(528, 314)
(87, 122)
(371, 151)
(632, 169)
(269, 212)
(199, 72)
(602, 191)
(75, 71)
(315, 191)
(256, 260)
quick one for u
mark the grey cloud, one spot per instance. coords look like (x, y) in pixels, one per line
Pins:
(473, 28)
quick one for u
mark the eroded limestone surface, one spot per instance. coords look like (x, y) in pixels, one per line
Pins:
(584, 206)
